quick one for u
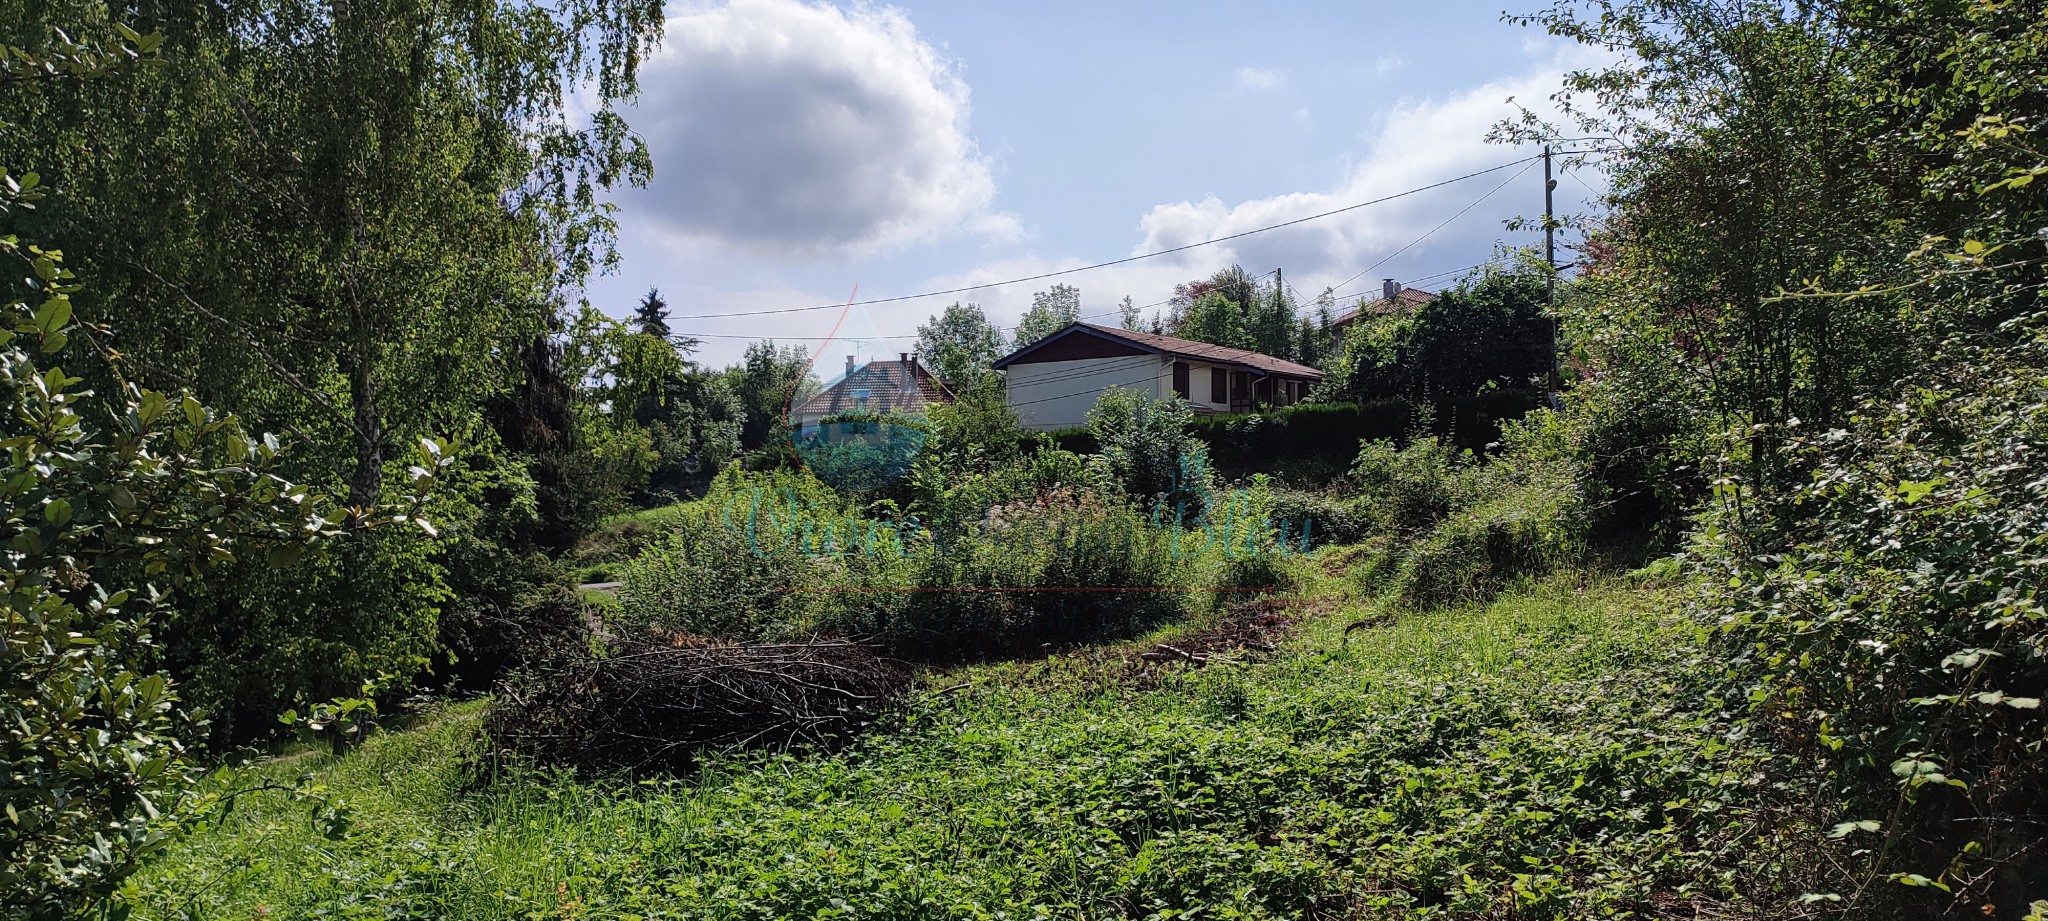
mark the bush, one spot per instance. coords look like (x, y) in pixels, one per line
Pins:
(109, 503)
(1317, 519)
(1479, 551)
(1447, 528)
(720, 573)
(1068, 566)
(1304, 443)
(1407, 490)
(1889, 616)
(1146, 445)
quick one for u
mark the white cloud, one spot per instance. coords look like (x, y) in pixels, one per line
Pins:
(793, 130)
(1419, 143)
(1260, 78)
(1387, 65)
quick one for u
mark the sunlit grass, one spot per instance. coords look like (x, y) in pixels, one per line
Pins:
(1521, 751)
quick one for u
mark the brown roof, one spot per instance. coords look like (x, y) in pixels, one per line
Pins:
(1183, 348)
(1404, 301)
(892, 386)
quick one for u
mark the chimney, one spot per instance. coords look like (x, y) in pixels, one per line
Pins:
(1390, 288)
(849, 366)
(903, 357)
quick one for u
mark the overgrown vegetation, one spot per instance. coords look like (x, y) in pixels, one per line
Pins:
(1472, 761)
(1805, 365)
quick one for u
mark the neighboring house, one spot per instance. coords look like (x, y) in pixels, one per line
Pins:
(1055, 381)
(901, 387)
(1394, 298)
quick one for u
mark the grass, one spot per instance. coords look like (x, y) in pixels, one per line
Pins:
(1545, 755)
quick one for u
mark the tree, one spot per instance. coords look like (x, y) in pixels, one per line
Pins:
(959, 345)
(1215, 319)
(122, 499)
(344, 222)
(1129, 317)
(650, 316)
(1051, 311)
(415, 200)
(1231, 308)
(769, 381)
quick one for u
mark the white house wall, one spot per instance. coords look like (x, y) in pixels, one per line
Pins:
(1058, 394)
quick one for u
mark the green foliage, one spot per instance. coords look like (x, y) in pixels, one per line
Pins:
(1408, 490)
(1453, 529)
(1890, 612)
(959, 345)
(768, 381)
(1231, 308)
(1051, 311)
(1419, 767)
(1147, 448)
(112, 504)
(1487, 332)
(1308, 443)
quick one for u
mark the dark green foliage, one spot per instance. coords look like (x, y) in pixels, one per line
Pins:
(111, 505)
(1486, 333)
(1146, 447)
(1890, 613)
(1308, 443)
(650, 316)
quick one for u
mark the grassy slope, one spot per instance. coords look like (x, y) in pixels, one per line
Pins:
(1540, 757)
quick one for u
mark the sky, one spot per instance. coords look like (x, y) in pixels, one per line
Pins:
(807, 154)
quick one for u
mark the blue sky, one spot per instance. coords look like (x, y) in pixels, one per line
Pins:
(803, 148)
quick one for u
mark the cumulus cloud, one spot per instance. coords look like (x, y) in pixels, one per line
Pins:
(1420, 142)
(1259, 78)
(796, 130)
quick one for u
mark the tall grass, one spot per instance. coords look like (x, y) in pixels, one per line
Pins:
(1548, 752)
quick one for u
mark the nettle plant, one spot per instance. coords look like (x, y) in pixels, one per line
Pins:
(112, 500)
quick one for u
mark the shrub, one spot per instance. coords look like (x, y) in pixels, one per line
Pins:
(109, 503)
(1447, 528)
(1318, 518)
(1407, 490)
(723, 573)
(1146, 445)
(1479, 551)
(1889, 615)
(1067, 566)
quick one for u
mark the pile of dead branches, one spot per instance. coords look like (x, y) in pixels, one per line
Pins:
(653, 704)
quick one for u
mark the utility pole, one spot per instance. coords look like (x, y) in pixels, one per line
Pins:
(1550, 258)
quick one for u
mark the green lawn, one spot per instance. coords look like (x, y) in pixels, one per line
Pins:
(1542, 756)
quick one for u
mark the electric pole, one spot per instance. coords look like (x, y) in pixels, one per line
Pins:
(1550, 259)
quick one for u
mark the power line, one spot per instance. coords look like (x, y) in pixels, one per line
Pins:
(1007, 329)
(1428, 233)
(1113, 262)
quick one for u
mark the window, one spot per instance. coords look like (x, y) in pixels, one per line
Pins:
(860, 399)
(1219, 385)
(1180, 379)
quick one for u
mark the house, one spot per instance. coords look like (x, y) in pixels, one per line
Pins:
(1394, 298)
(1053, 382)
(901, 387)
